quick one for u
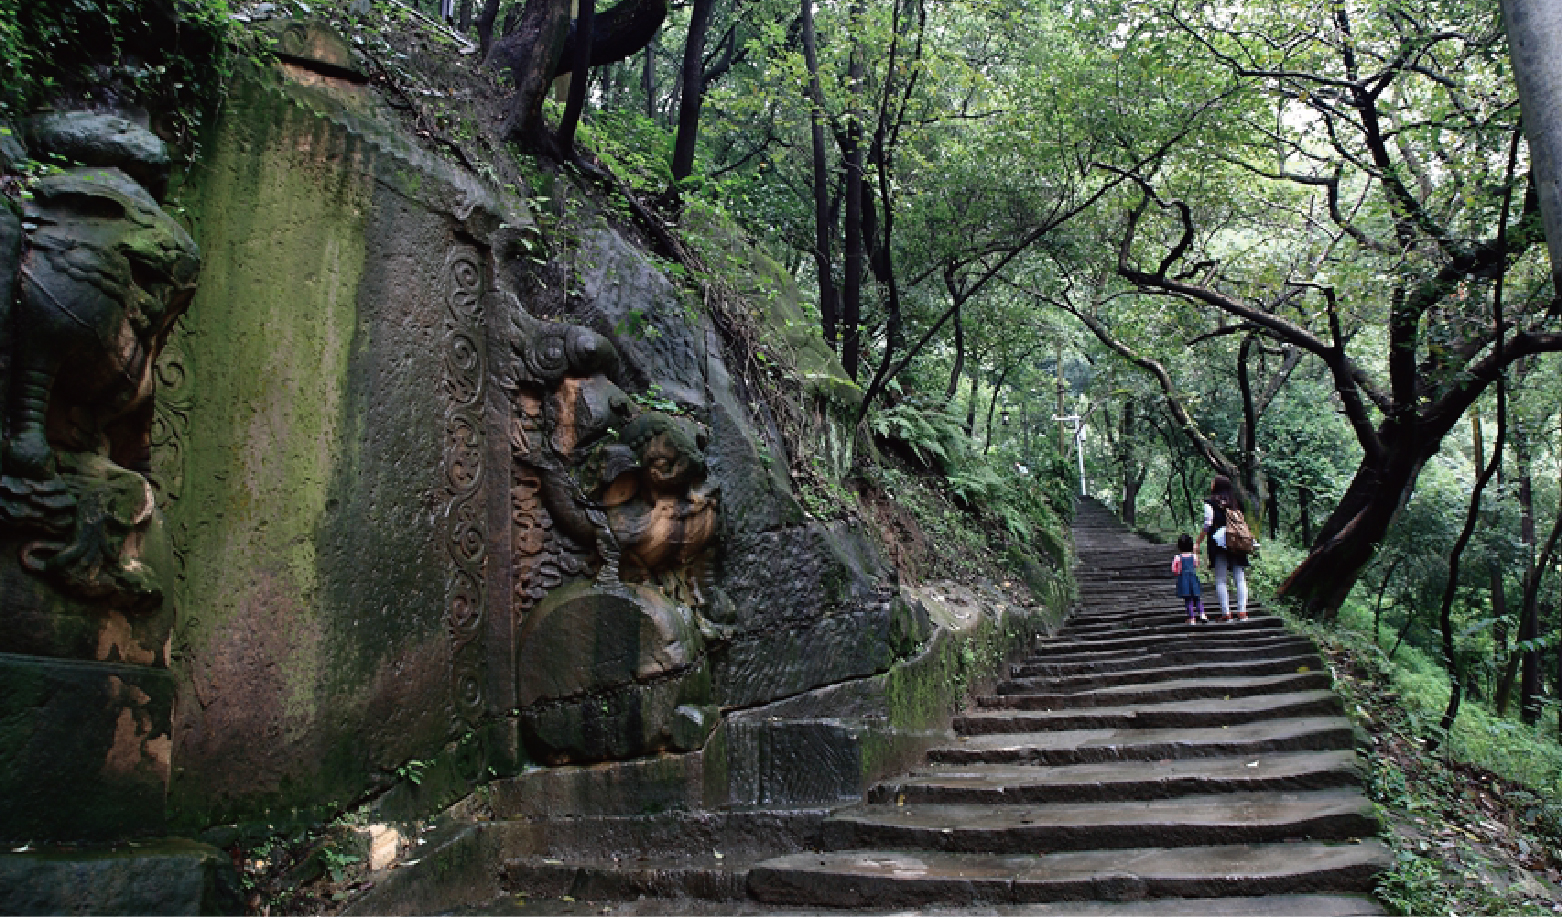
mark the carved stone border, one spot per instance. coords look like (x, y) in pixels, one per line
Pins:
(465, 523)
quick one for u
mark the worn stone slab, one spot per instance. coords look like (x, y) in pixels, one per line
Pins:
(1196, 713)
(1198, 636)
(1082, 746)
(1064, 677)
(1238, 818)
(173, 876)
(998, 784)
(1175, 689)
(867, 878)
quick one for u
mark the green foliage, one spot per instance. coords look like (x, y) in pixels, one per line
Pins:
(413, 770)
(928, 428)
(336, 862)
(167, 55)
(1028, 509)
(1414, 885)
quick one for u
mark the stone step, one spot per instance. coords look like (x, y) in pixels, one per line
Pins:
(1086, 746)
(548, 877)
(1282, 648)
(1163, 622)
(1175, 714)
(1184, 821)
(1160, 692)
(1085, 677)
(1208, 636)
(1169, 618)
(999, 784)
(891, 878)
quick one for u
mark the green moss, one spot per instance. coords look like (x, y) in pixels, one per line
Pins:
(275, 319)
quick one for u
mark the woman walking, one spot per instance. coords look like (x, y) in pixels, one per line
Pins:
(1222, 496)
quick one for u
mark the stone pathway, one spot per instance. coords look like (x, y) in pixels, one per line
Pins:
(1133, 757)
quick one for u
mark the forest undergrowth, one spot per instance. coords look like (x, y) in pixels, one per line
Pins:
(1475, 827)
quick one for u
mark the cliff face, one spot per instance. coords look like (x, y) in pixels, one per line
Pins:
(362, 528)
(413, 470)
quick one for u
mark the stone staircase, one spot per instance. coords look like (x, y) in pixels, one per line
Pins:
(1132, 757)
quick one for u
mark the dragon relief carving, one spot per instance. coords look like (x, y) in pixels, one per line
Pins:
(597, 487)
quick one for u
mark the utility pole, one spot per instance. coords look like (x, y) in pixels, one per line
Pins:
(1079, 453)
(1062, 390)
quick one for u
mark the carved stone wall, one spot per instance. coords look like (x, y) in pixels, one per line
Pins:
(334, 484)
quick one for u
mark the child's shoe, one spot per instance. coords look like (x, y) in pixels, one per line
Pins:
(1203, 619)
(1227, 619)
(1242, 616)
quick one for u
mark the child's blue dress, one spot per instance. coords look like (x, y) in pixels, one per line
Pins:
(1188, 578)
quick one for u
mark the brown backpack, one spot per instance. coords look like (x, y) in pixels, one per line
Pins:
(1239, 538)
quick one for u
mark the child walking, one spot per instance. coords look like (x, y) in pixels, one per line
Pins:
(1186, 566)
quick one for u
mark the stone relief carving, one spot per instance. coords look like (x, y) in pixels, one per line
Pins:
(102, 273)
(614, 523)
(465, 532)
(661, 506)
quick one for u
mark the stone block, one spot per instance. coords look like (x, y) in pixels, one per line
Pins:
(173, 876)
(609, 673)
(384, 842)
(92, 138)
(667, 782)
(88, 748)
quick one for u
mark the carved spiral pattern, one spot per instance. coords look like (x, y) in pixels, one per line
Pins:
(465, 535)
(466, 602)
(548, 357)
(466, 285)
(463, 453)
(469, 694)
(463, 370)
(467, 541)
(170, 426)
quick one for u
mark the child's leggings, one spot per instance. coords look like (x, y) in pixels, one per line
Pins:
(1195, 606)
(1237, 573)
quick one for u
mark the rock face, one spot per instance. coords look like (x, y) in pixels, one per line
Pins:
(417, 512)
(371, 495)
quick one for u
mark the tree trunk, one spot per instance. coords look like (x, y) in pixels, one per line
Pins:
(581, 52)
(531, 54)
(485, 27)
(1304, 519)
(970, 404)
(1351, 534)
(958, 371)
(824, 230)
(693, 80)
(464, 17)
(1534, 33)
(648, 79)
(1529, 619)
(1131, 477)
(1253, 483)
(1456, 682)
(852, 259)
(993, 405)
